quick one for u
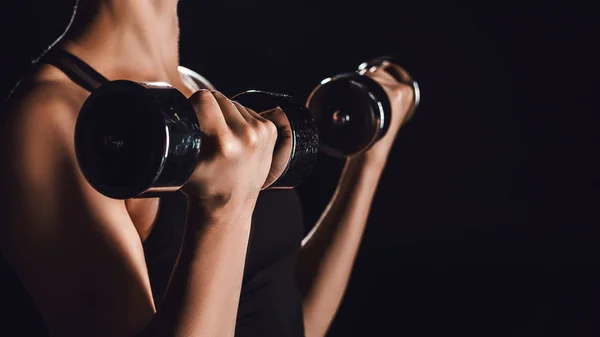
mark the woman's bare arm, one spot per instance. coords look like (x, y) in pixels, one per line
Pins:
(203, 295)
(327, 256)
(78, 253)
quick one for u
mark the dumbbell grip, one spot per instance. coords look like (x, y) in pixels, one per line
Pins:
(305, 136)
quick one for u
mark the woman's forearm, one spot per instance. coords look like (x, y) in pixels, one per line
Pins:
(204, 291)
(327, 256)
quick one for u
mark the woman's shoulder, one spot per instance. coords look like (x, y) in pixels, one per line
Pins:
(42, 99)
(36, 131)
(43, 88)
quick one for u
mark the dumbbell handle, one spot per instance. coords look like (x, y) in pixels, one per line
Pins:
(305, 135)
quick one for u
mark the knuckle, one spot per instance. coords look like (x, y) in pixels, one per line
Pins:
(402, 91)
(251, 111)
(270, 129)
(250, 137)
(218, 94)
(201, 97)
(229, 147)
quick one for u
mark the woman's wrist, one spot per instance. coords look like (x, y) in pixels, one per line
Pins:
(366, 163)
(231, 213)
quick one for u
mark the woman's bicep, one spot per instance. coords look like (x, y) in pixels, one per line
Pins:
(76, 252)
(86, 281)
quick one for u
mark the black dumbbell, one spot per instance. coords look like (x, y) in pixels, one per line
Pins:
(137, 140)
(352, 111)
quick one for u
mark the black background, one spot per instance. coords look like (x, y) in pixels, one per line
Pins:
(484, 223)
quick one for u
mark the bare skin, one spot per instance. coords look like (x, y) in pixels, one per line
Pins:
(329, 250)
(78, 253)
(72, 246)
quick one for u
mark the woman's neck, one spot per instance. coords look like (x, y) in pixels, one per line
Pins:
(134, 40)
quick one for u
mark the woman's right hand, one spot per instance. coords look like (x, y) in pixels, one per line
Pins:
(237, 153)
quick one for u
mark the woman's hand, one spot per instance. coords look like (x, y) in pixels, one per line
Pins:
(238, 146)
(396, 83)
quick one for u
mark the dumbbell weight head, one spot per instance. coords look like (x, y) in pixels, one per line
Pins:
(352, 113)
(305, 135)
(135, 140)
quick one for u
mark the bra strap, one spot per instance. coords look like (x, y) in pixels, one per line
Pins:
(76, 69)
